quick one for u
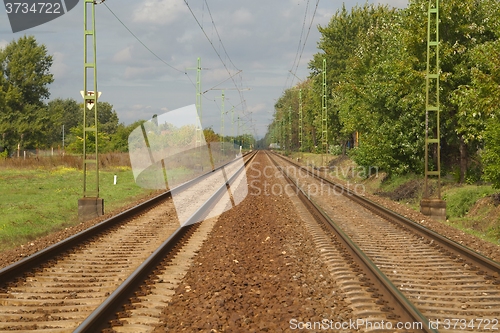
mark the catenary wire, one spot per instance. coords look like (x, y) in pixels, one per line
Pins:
(305, 41)
(211, 43)
(140, 41)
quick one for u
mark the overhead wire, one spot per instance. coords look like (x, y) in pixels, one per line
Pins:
(184, 71)
(218, 36)
(140, 41)
(146, 47)
(217, 52)
(298, 45)
(213, 46)
(304, 44)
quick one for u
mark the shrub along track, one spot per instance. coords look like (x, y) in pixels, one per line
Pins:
(446, 282)
(56, 289)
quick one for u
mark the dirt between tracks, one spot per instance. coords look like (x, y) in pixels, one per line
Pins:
(257, 272)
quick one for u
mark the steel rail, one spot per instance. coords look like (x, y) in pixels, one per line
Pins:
(17, 268)
(100, 317)
(396, 300)
(488, 266)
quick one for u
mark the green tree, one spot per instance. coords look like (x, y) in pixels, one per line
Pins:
(380, 97)
(76, 142)
(60, 112)
(108, 125)
(340, 40)
(464, 26)
(119, 140)
(107, 117)
(24, 67)
(491, 153)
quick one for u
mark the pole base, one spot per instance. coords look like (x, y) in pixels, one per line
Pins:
(90, 208)
(435, 208)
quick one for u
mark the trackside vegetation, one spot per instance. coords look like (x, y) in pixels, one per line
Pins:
(376, 62)
(36, 201)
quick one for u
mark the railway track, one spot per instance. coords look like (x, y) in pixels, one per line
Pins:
(89, 280)
(454, 288)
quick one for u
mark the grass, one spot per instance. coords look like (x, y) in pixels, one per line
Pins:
(393, 182)
(459, 203)
(37, 201)
(459, 200)
(310, 158)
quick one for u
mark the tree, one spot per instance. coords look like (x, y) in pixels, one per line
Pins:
(25, 65)
(119, 140)
(108, 118)
(107, 127)
(76, 142)
(491, 153)
(464, 26)
(61, 112)
(340, 40)
(24, 68)
(380, 96)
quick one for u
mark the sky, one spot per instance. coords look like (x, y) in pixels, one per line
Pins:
(247, 48)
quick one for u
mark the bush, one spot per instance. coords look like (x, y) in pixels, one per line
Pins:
(460, 201)
(491, 152)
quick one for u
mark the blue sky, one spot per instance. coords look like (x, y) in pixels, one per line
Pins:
(261, 38)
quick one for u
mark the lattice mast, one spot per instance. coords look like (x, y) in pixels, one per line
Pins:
(199, 126)
(290, 127)
(324, 113)
(222, 115)
(232, 126)
(432, 106)
(300, 120)
(90, 156)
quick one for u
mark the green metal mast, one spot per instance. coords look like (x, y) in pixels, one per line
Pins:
(432, 134)
(324, 113)
(282, 133)
(90, 156)
(222, 115)
(199, 130)
(232, 125)
(300, 120)
(290, 127)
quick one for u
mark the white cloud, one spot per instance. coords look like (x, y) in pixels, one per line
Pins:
(160, 11)
(59, 68)
(242, 16)
(215, 75)
(138, 73)
(257, 108)
(187, 37)
(124, 55)
(257, 65)
(3, 43)
(140, 107)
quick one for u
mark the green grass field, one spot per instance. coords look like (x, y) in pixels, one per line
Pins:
(35, 202)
